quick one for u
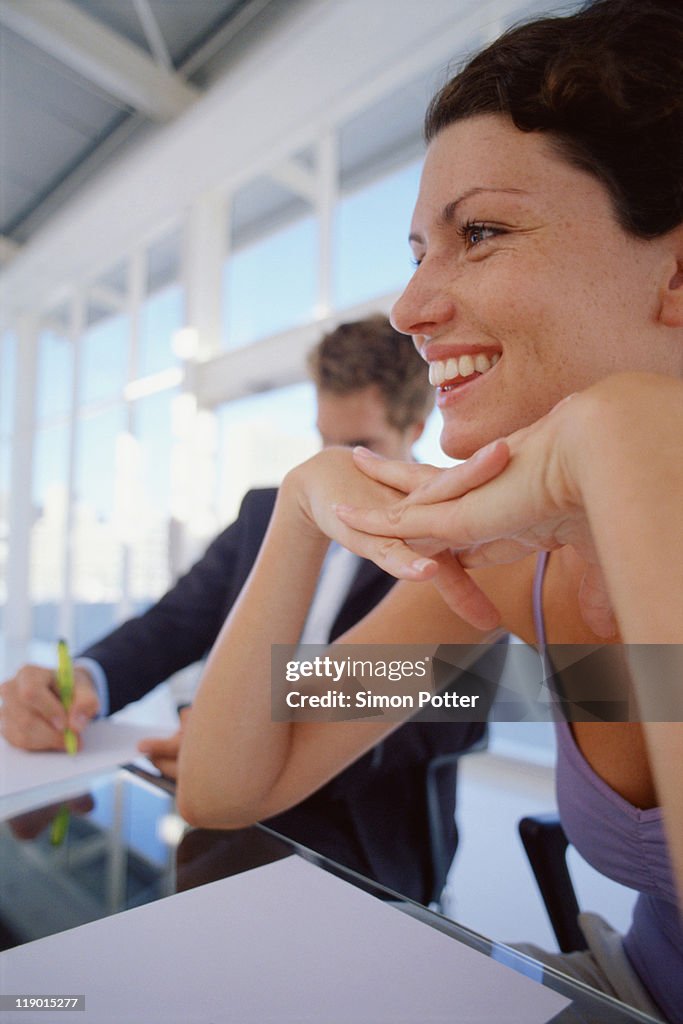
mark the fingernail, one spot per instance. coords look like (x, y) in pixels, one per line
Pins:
(360, 450)
(79, 722)
(420, 564)
(58, 723)
(483, 452)
(336, 508)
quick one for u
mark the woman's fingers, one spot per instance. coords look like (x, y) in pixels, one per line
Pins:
(412, 516)
(456, 481)
(394, 556)
(457, 588)
(403, 476)
(398, 521)
(429, 484)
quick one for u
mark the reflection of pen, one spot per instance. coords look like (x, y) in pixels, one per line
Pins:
(60, 825)
(65, 687)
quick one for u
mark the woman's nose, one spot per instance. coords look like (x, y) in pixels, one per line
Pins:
(423, 306)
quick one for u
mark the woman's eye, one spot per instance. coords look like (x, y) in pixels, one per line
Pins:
(475, 233)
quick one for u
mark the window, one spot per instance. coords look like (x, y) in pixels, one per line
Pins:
(271, 284)
(104, 360)
(371, 252)
(55, 373)
(8, 367)
(260, 439)
(49, 487)
(144, 511)
(160, 317)
(50, 496)
(99, 497)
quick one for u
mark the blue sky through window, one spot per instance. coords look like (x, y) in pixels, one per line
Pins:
(55, 363)
(272, 284)
(372, 256)
(161, 316)
(104, 359)
(8, 384)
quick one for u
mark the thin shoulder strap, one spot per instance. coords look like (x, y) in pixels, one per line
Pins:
(539, 576)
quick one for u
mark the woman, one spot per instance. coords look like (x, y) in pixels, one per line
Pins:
(549, 249)
(558, 482)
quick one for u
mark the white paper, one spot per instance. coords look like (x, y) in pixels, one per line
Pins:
(106, 744)
(284, 943)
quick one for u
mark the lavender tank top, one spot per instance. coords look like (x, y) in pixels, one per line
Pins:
(625, 844)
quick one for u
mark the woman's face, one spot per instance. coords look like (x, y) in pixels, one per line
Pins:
(526, 288)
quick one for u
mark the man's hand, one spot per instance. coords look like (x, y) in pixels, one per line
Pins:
(164, 753)
(32, 716)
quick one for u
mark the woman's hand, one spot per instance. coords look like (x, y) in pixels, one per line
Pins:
(317, 486)
(511, 498)
(332, 477)
(530, 502)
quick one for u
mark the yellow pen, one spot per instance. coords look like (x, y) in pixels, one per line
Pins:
(65, 688)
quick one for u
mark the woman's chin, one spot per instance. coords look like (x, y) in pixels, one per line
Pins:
(458, 444)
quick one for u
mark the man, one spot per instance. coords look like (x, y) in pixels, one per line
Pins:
(372, 389)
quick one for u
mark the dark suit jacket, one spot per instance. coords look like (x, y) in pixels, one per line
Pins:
(373, 817)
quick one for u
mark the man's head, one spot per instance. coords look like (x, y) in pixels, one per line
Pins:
(372, 388)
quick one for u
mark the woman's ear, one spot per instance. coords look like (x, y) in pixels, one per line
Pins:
(671, 296)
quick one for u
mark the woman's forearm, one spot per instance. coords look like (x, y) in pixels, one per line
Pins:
(233, 752)
(236, 765)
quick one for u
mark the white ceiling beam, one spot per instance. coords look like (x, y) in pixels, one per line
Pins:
(153, 33)
(297, 179)
(101, 55)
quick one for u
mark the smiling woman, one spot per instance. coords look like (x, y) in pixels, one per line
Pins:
(548, 237)
(505, 234)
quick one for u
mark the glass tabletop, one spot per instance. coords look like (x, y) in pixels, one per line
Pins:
(116, 842)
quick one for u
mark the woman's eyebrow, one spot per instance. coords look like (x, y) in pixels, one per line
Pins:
(447, 215)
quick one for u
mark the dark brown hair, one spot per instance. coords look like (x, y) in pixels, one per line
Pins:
(606, 84)
(361, 353)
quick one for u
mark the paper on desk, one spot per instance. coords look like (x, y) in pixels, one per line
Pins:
(287, 942)
(106, 744)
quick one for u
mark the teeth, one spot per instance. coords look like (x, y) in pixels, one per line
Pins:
(437, 374)
(466, 366)
(463, 366)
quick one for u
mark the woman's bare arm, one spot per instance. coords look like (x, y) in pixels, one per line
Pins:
(236, 765)
(602, 472)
